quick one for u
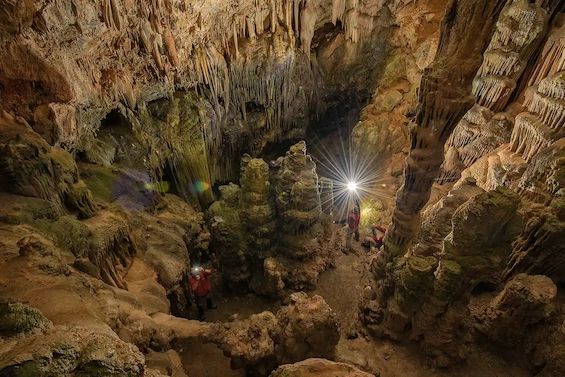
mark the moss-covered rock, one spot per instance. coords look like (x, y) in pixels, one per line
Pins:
(173, 132)
(18, 318)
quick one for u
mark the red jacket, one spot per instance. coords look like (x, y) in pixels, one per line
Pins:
(204, 285)
(379, 239)
(353, 220)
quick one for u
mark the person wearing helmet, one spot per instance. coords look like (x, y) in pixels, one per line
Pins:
(201, 287)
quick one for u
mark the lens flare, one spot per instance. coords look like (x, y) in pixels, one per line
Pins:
(357, 176)
(201, 186)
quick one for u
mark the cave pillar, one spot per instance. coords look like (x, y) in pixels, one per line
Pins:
(444, 97)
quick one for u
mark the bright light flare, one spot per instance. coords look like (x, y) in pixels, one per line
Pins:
(352, 186)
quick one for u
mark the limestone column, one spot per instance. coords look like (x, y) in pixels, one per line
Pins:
(444, 97)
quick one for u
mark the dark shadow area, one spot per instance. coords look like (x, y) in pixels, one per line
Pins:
(484, 287)
(272, 151)
(325, 34)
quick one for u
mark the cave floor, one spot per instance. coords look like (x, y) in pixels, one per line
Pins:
(341, 287)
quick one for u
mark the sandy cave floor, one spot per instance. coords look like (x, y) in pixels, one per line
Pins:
(341, 287)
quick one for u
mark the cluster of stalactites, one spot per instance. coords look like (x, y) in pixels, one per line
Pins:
(517, 33)
(544, 122)
(552, 59)
(518, 30)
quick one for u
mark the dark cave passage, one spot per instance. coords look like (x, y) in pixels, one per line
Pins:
(328, 142)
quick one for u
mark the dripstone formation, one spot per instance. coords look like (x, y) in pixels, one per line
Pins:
(271, 233)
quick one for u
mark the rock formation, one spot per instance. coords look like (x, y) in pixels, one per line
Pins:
(129, 115)
(266, 250)
(524, 301)
(523, 319)
(318, 367)
(253, 72)
(31, 167)
(518, 32)
(309, 328)
(541, 124)
(441, 105)
(428, 293)
(436, 219)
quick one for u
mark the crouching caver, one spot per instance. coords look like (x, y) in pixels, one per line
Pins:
(201, 286)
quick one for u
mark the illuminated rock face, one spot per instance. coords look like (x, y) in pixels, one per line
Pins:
(518, 32)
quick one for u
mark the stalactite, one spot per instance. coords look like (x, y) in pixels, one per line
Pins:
(529, 136)
(552, 59)
(170, 47)
(519, 29)
(308, 24)
(111, 14)
(352, 22)
(338, 10)
(490, 89)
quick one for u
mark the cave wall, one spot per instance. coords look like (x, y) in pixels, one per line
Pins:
(498, 143)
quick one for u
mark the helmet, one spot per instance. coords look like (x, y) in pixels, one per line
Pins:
(195, 270)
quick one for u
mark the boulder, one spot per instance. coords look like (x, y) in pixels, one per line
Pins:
(31, 167)
(318, 368)
(309, 328)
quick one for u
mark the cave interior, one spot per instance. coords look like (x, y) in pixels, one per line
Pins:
(143, 142)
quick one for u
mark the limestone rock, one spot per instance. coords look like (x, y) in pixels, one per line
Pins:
(250, 343)
(31, 167)
(173, 238)
(111, 248)
(537, 249)
(56, 123)
(501, 167)
(318, 367)
(298, 203)
(168, 363)
(544, 176)
(19, 318)
(388, 101)
(257, 210)
(525, 301)
(436, 219)
(228, 237)
(270, 234)
(309, 328)
(66, 351)
(430, 293)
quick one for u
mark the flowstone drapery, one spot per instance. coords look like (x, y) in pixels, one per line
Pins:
(543, 122)
(519, 30)
(444, 97)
